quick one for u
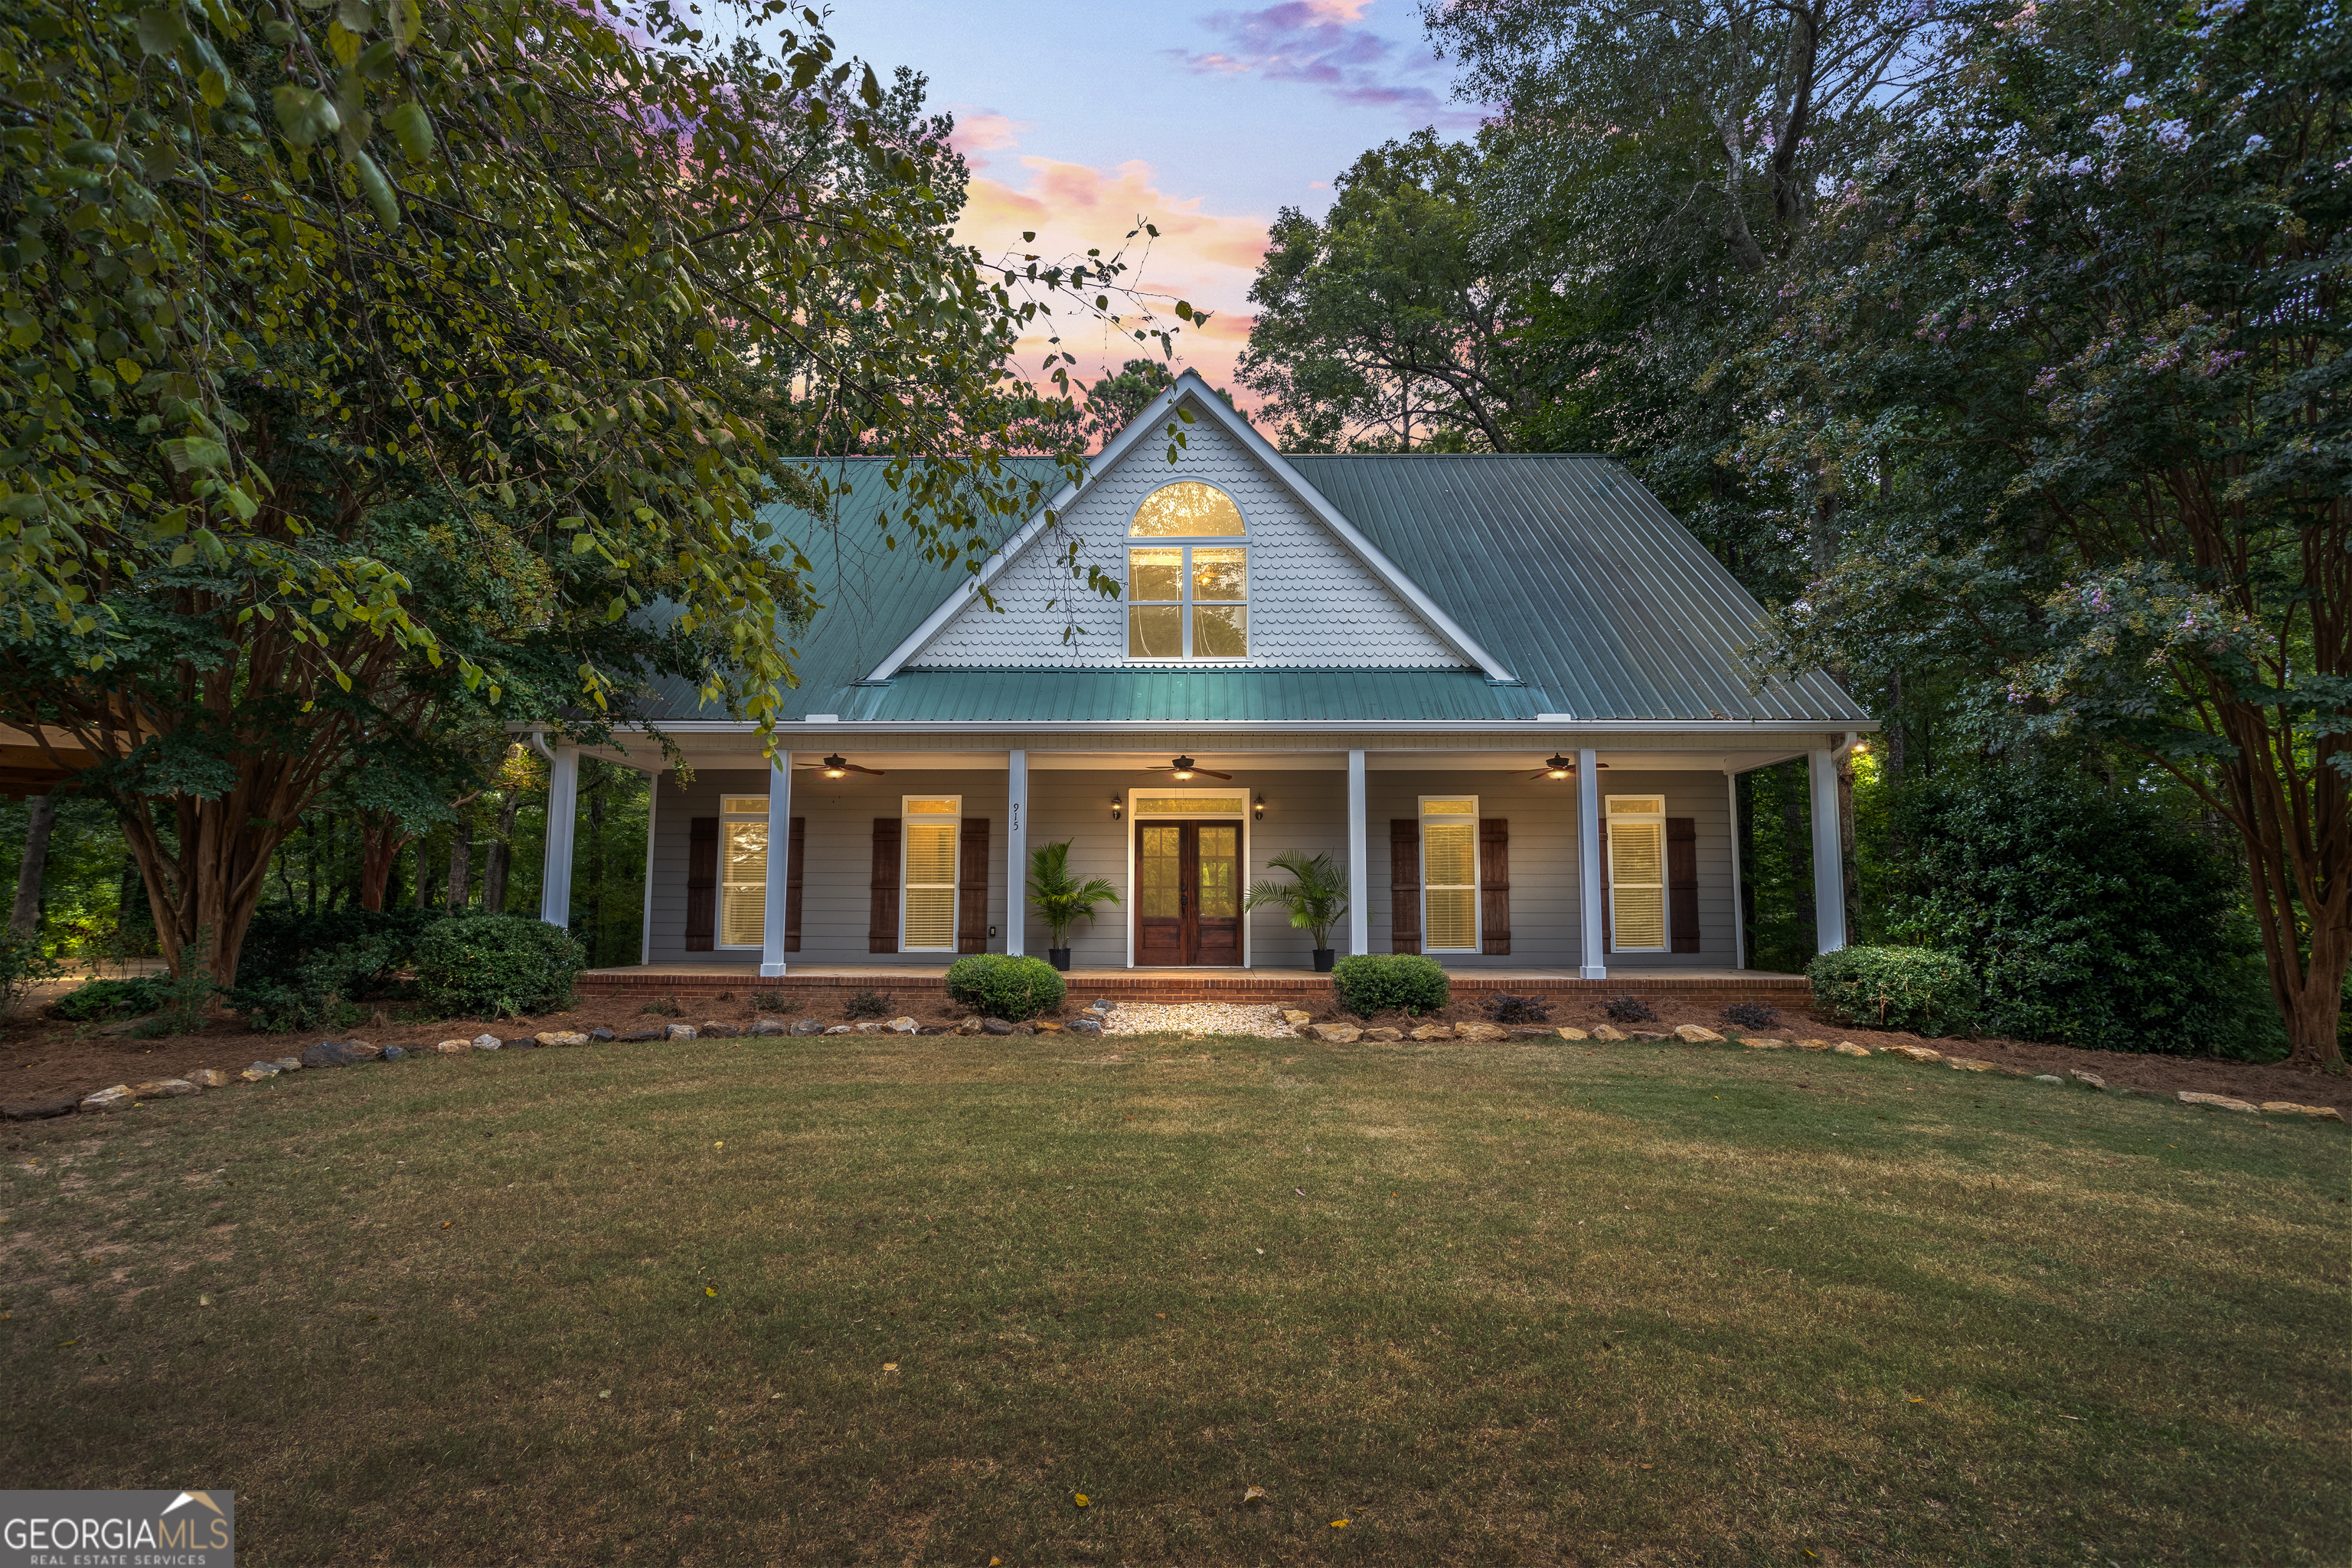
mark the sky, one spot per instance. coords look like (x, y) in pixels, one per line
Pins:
(1078, 119)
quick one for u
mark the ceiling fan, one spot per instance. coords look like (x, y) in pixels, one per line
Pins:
(1185, 767)
(838, 767)
(1558, 767)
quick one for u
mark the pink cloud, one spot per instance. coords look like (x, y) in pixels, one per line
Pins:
(980, 131)
(1324, 44)
(1204, 257)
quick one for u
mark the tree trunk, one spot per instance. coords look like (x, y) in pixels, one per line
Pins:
(1894, 737)
(501, 858)
(25, 920)
(461, 863)
(382, 838)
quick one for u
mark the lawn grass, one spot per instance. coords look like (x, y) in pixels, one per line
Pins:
(1518, 1303)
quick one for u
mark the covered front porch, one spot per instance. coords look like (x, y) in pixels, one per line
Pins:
(1530, 864)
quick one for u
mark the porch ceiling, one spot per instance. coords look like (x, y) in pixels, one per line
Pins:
(1303, 759)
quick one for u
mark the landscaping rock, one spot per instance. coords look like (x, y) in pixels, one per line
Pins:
(1848, 1048)
(997, 1025)
(41, 1110)
(903, 1026)
(214, 1077)
(1384, 1035)
(1807, 1045)
(119, 1098)
(1102, 1005)
(289, 1064)
(639, 1036)
(1765, 1043)
(871, 1026)
(1086, 1026)
(486, 1041)
(164, 1088)
(1025, 1028)
(678, 1032)
(574, 1037)
(766, 1027)
(2088, 1080)
(1966, 1064)
(259, 1071)
(1608, 1032)
(714, 1031)
(454, 1047)
(1917, 1053)
(1433, 1032)
(2219, 1102)
(521, 1043)
(2050, 1077)
(390, 1054)
(1335, 1034)
(1048, 1026)
(1574, 1034)
(340, 1052)
(601, 1037)
(841, 1029)
(1297, 1019)
(1475, 1030)
(1534, 1032)
(2289, 1107)
(1693, 1034)
(808, 1026)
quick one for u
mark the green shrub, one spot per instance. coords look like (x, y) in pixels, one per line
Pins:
(496, 967)
(113, 998)
(1373, 983)
(299, 970)
(2088, 918)
(1003, 986)
(1915, 989)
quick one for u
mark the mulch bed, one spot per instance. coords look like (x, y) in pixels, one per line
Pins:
(41, 1058)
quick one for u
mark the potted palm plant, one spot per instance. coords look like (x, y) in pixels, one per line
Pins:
(1316, 895)
(1060, 900)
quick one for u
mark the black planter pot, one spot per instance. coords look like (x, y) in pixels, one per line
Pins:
(1324, 958)
(1059, 957)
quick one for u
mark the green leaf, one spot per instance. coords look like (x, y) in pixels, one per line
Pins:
(870, 89)
(162, 31)
(213, 88)
(376, 189)
(413, 129)
(192, 454)
(304, 114)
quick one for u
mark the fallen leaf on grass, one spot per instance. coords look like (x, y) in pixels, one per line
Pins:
(1339, 1524)
(890, 1366)
(68, 1345)
(604, 1393)
(708, 1291)
(1081, 1498)
(1255, 1495)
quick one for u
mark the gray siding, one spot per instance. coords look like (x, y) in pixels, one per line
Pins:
(1304, 810)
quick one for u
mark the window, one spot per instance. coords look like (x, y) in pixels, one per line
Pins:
(1187, 601)
(1190, 804)
(743, 869)
(1449, 873)
(1637, 872)
(928, 911)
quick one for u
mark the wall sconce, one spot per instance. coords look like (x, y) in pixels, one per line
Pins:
(1257, 808)
(1117, 806)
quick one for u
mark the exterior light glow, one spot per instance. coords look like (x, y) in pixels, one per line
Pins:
(836, 767)
(1559, 767)
(1117, 807)
(1182, 767)
(1257, 808)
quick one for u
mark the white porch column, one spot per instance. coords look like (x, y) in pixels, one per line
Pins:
(1829, 864)
(1016, 851)
(1360, 916)
(1738, 920)
(1591, 876)
(652, 811)
(562, 806)
(779, 867)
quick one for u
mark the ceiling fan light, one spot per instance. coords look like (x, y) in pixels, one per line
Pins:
(836, 767)
(1559, 767)
(1182, 767)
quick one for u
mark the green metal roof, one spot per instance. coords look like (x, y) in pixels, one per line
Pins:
(1564, 567)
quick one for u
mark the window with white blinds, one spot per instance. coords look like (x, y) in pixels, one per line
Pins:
(1637, 872)
(1449, 873)
(933, 824)
(743, 869)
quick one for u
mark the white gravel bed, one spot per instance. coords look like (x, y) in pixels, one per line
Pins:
(1197, 1019)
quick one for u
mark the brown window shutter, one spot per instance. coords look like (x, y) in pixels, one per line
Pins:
(1682, 884)
(1404, 884)
(795, 845)
(972, 886)
(1607, 902)
(1493, 884)
(882, 908)
(702, 886)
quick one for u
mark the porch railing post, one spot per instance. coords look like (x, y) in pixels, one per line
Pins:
(1360, 915)
(1591, 876)
(1738, 911)
(779, 869)
(1016, 850)
(1829, 869)
(562, 806)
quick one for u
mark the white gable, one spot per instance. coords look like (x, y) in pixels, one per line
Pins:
(1313, 601)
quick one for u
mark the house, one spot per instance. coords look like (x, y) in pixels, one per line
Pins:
(1505, 693)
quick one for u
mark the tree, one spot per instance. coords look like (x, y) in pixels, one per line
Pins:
(384, 362)
(2074, 362)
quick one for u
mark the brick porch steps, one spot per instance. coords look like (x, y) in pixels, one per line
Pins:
(827, 991)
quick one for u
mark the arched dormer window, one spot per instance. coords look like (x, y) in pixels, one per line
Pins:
(1187, 599)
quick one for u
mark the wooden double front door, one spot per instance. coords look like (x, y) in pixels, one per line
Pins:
(1188, 892)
